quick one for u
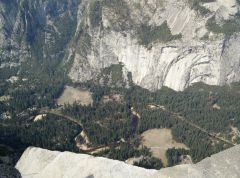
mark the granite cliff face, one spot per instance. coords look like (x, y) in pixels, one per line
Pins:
(35, 29)
(162, 43)
(38, 163)
(199, 55)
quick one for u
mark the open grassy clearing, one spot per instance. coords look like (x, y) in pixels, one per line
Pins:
(159, 141)
(72, 95)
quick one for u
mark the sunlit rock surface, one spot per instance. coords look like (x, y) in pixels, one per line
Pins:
(39, 163)
(175, 64)
(63, 31)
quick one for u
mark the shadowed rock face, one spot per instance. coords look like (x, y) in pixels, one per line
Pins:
(38, 163)
(35, 29)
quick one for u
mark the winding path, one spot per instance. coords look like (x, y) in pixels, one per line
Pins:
(183, 119)
(88, 149)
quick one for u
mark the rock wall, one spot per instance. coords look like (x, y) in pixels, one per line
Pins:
(35, 30)
(175, 64)
(92, 35)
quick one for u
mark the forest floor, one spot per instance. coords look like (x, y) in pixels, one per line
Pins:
(210, 134)
(187, 121)
(159, 141)
(86, 146)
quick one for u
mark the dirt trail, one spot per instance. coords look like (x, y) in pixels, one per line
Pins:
(83, 147)
(183, 119)
(82, 133)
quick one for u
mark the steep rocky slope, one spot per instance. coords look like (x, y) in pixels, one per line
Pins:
(36, 162)
(35, 30)
(125, 35)
(172, 43)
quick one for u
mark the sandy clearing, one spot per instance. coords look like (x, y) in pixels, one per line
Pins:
(235, 134)
(5, 98)
(216, 106)
(39, 117)
(71, 95)
(132, 160)
(153, 107)
(112, 98)
(159, 141)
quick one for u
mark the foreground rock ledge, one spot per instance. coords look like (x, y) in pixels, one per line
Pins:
(40, 163)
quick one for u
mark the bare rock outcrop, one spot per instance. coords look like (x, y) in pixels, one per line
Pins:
(38, 163)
